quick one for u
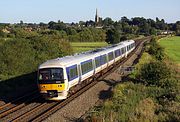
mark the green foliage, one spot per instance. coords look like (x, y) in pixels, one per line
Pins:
(131, 102)
(145, 58)
(123, 38)
(108, 21)
(17, 57)
(156, 50)
(88, 35)
(145, 111)
(137, 102)
(21, 56)
(156, 97)
(57, 26)
(155, 73)
(2, 34)
(112, 36)
(21, 33)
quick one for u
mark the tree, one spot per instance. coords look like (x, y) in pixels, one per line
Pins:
(112, 36)
(155, 73)
(56, 26)
(126, 28)
(108, 21)
(21, 22)
(82, 23)
(125, 19)
(123, 38)
(156, 50)
(177, 28)
(160, 24)
(17, 57)
(86, 35)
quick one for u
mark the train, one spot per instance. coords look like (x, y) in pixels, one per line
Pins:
(56, 77)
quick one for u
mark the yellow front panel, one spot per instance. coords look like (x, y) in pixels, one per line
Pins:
(45, 87)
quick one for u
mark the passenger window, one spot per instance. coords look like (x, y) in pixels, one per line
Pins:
(98, 61)
(110, 56)
(86, 67)
(103, 59)
(117, 53)
(72, 72)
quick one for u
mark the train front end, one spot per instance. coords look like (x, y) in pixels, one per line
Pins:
(52, 82)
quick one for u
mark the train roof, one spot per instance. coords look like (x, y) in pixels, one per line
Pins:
(70, 60)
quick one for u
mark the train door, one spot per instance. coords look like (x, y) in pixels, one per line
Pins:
(79, 73)
(126, 51)
(94, 66)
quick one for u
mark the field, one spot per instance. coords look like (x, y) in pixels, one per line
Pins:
(85, 46)
(172, 47)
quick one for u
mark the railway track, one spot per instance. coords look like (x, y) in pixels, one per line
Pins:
(43, 110)
(16, 103)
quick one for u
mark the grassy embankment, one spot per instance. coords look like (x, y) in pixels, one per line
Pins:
(172, 47)
(133, 101)
(85, 46)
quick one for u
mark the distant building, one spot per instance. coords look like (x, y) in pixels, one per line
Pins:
(98, 20)
(166, 32)
(96, 17)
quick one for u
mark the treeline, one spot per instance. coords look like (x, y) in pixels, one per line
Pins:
(115, 31)
(23, 55)
(71, 34)
(89, 31)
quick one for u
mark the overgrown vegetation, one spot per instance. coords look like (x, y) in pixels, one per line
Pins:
(156, 50)
(155, 73)
(152, 95)
(20, 56)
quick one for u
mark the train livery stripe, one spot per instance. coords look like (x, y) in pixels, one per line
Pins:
(45, 87)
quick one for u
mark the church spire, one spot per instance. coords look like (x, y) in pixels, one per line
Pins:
(96, 16)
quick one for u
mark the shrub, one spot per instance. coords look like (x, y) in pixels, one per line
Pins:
(155, 73)
(17, 57)
(123, 38)
(20, 56)
(144, 111)
(156, 50)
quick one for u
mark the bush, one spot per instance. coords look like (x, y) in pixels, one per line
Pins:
(145, 111)
(155, 73)
(156, 50)
(20, 56)
(130, 102)
(17, 57)
(2, 34)
(123, 38)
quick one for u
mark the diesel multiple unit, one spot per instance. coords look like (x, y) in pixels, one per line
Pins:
(57, 76)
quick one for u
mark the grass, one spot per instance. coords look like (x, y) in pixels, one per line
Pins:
(85, 46)
(145, 58)
(172, 47)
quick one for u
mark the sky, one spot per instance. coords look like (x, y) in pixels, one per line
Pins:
(36, 11)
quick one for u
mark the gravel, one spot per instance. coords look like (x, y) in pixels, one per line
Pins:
(79, 106)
